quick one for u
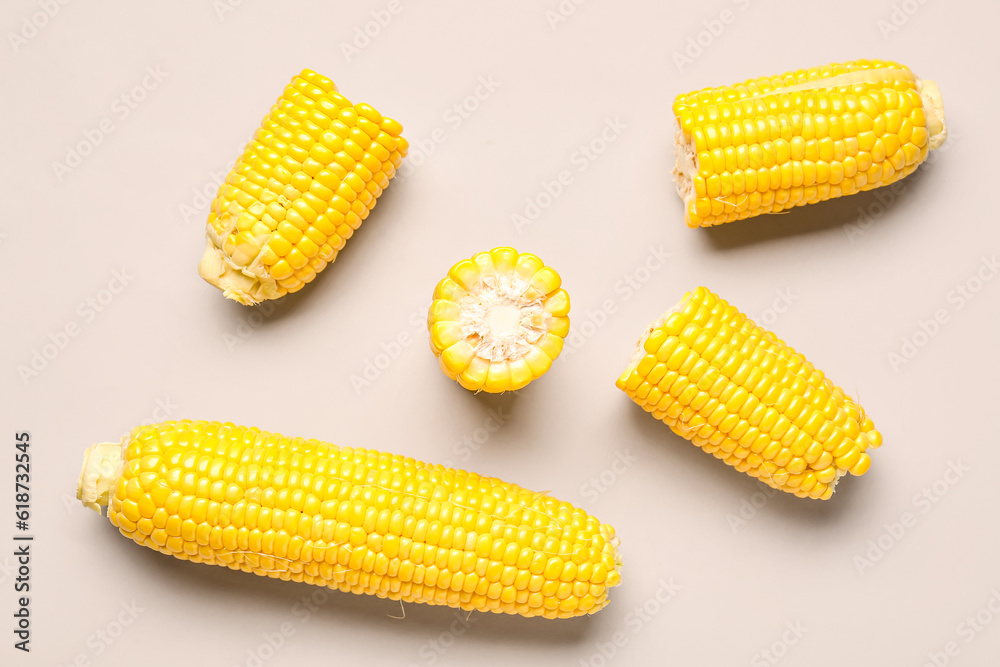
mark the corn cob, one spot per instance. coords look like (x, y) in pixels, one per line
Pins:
(768, 144)
(350, 519)
(738, 392)
(311, 174)
(498, 320)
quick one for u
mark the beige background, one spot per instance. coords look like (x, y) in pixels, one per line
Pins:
(169, 343)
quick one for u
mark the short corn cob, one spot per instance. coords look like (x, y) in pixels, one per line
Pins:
(311, 174)
(498, 320)
(768, 144)
(741, 394)
(350, 519)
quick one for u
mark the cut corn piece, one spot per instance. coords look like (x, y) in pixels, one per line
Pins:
(498, 320)
(355, 520)
(769, 144)
(741, 394)
(304, 184)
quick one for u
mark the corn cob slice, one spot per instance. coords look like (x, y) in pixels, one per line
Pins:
(351, 519)
(304, 184)
(498, 320)
(769, 144)
(738, 392)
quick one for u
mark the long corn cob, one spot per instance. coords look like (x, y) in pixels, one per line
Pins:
(351, 519)
(768, 144)
(498, 320)
(311, 174)
(741, 394)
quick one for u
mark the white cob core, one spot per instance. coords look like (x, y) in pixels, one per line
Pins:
(248, 285)
(102, 464)
(502, 317)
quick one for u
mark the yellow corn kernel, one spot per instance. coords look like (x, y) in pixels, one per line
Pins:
(750, 400)
(312, 512)
(294, 186)
(788, 121)
(498, 320)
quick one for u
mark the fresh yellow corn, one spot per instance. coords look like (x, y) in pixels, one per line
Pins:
(351, 519)
(768, 144)
(311, 174)
(738, 392)
(498, 320)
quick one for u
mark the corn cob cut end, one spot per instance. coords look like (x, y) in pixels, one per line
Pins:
(640, 346)
(498, 320)
(101, 465)
(933, 105)
(248, 285)
(685, 166)
(761, 146)
(741, 394)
